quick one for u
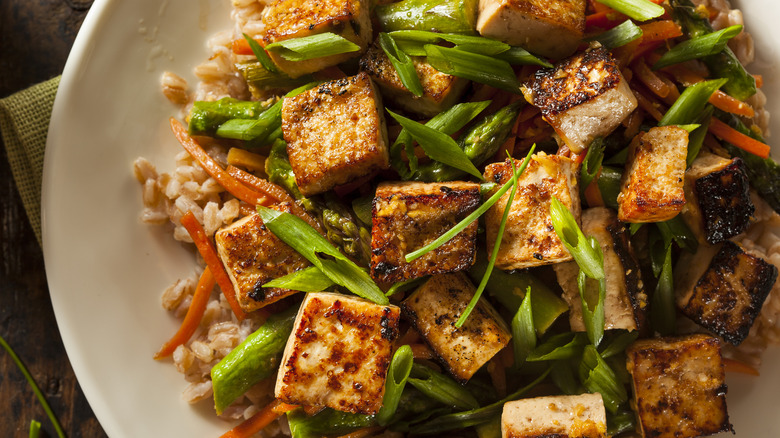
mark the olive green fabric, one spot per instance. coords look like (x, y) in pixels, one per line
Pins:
(24, 123)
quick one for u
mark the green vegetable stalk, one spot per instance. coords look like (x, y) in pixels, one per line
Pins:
(441, 388)
(252, 361)
(206, 117)
(257, 76)
(445, 16)
(325, 423)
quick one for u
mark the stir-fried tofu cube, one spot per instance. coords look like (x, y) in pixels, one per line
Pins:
(335, 133)
(583, 97)
(571, 416)
(440, 90)
(679, 388)
(529, 237)
(722, 288)
(625, 304)
(433, 310)
(288, 19)
(551, 28)
(718, 194)
(410, 215)
(338, 353)
(652, 185)
(252, 256)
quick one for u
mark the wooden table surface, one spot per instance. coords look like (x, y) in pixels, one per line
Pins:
(35, 39)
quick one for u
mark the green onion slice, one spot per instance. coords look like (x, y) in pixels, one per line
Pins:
(405, 285)
(295, 232)
(260, 54)
(569, 232)
(560, 346)
(689, 106)
(397, 375)
(520, 56)
(523, 332)
(696, 137)
(478, 68)
(597, 376)
(592, 163)
(468, 43)
(593, 304)
(619, 343)
(619, 35)
(662, 310)
(403, 64)
(698, 47)
(441, 388)
(310, 279)
(640, 10)
(313, 46)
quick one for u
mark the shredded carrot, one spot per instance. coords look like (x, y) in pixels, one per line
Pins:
(259, 421)
(241, 47)
(362, 433)
(193, 317)
(738, 139)
(648, 104)
(736, 366)
(233, 186)
(209, 254)
(759, 80)
(593, 194)
(604, 19)
(724, 102)
(263, 186)
(634, 123)
(650, 79)
(421, 351)
(660, 31)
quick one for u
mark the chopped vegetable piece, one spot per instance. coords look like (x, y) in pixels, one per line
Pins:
(402, 63)
(310, 279)
(619, 35)
(698, 47)
(445, 16)
(468, 43)
(441, 388)
(397, 376)
(259, 421)
(640, 10)
(691, 103)
(523, 332)
(478, 68)
(313, 46)
(260, 53)
(736, 138)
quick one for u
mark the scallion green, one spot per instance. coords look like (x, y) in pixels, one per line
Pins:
(441, 388)
(478, 68)
(310, 279)
(698, 47)
(403, 64)
(260, 54)
(598, 377)
(640, 10)
(397, 375)
(662, 309)
(619, 35)
(687, 108)
(523, 332)
(560, 346)
(574, 240)
(468, 43)
(314, 46)
(592, 163)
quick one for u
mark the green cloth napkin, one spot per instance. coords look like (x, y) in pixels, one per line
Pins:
(24, 123)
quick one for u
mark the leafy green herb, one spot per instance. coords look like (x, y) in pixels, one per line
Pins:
(619, 35)
(640, 10)
(698, 47)
(478, 68)
(310, 279)
(397, 375)
(523, 332)
(687, 108)
(441, 388)
(313, 46)
(260, 54)
(295, 232)
(403, 64)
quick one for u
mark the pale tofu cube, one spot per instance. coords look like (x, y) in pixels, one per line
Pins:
(679, 386)
(723, 288)
(287, 19)
(338, 353)
(625, 303)
(409, 215)
(571, 416)
(551, 28)
(652, 186)
(717, 192)
(335, 133)
(252, 256)
(440, 90)
(529, 237)
(583, 97)
(433, 310)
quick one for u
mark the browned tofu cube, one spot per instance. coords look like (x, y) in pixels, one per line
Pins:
(551, 28)
(287, 19)
(335, 133)
(679, 387)
(433, 310)
(338, 353)
(440, 90)
(625, 303)
(570, 416)
(410, 215)
(652, 185)
(722, 288)
(253, 256)
(529, 237)
(583, 97)
(718, 194)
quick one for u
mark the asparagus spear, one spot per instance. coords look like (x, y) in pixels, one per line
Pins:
(339, 223)
(725, 64)
(253, 360)
(445, 16)
(325, 423)
(480, 143)
(206, 117)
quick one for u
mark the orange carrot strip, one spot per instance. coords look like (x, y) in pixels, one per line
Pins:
(736, 366)
(604, 19)
(759, 80)
(732, 105)
(738, 139)
(209, 254)
(650, 79)
(234, 187)
(421, 351)
(593, 194)
(241, 47)
(261, 185)
(259, 421)
(649, 105)
(362, 433)
(193, 317)
(660, 30)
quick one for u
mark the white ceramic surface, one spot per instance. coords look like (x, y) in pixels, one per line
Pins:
(106, 270)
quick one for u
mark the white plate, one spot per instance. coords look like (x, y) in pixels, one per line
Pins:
(106, 270)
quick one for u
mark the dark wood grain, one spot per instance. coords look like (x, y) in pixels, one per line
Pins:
(35, 39)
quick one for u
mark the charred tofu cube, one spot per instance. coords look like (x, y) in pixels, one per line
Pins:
(722, 288)
(410, 215)
(582, 98)
(571, 416)
(718, 198)
(679, 387)
(529, 237)
(338, 353)
(252, 256)
(625, 304)
(652, 186)
(440, 90)
(433, 310)
(551, 28)
(335, 133)
(288, 19)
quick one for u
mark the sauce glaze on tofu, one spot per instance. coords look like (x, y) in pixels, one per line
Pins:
(338, 353)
